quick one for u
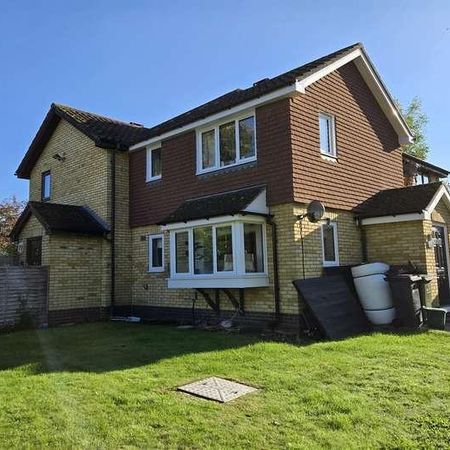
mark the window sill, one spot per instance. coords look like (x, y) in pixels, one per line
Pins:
(328, 157)
(225, 168)
(156, 270)
(153, 180)
(244, 281)
(330, 264)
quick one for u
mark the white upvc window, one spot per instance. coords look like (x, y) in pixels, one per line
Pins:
(227, 143)
(224, 253)
(156, 253)
(327, 132)
(330, 245)
(154, 165)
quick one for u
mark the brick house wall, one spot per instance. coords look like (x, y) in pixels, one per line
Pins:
(290, 164)
(84, 178)
(152, 298)
(369, 157)
(151, 202)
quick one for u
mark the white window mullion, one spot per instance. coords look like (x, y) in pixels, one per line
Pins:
(191, 251)
(217, 144)
(214, 246)
(236, 137)
(238, 248)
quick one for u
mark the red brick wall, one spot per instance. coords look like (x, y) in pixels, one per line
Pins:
(369, 157)
(151, 202)
(289, 159)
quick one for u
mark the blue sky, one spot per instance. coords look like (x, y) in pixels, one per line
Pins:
(146, 61)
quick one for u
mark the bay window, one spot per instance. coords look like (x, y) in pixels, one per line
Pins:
(219, 253)
(226, 144)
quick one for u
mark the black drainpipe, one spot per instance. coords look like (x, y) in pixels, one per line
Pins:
(276, 276)
(113, 232)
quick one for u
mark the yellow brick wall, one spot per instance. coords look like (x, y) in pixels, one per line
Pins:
(122, 232)
(84, 178)
(77, 267)
(79, 180)
(151, 288)
(396, 243)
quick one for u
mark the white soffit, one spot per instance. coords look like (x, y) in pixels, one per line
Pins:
(258, 205)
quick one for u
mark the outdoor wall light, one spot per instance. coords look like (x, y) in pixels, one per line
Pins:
(61, 157)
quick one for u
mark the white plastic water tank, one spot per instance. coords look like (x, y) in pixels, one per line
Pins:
(374, 292)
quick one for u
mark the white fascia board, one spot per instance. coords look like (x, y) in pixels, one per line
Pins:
(375, 84)
(213, 221)
(275, 95)
(259, 204)
(302, 84)
(394, 219)
(249, 281)
(442, 192)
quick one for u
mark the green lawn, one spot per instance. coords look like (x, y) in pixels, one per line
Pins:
(112, 385)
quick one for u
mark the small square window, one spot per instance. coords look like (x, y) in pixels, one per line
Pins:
(46, 186)
(154, 164)
(156, 253)
(330, 249)
(327, 135)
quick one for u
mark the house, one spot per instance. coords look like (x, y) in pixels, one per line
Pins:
(201, 215)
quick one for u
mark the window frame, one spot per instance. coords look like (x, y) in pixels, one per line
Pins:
(332, 135)
(45, 174)
(150, 239)
(237, 236)
(326, 263)
(216, 126)
(149, 167)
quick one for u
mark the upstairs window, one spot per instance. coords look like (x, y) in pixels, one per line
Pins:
(327, 135)
(154, 165)
(227, 144)
(422, 178)
(330, 249)
(156, 253)
(46, 185)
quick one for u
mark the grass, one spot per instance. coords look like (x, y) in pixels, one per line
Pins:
(112, 385)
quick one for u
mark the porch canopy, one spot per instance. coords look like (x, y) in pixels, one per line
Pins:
(60, 218)
(403, 204)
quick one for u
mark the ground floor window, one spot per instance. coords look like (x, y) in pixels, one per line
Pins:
(330, 249)
(219, 250)
(156, 253)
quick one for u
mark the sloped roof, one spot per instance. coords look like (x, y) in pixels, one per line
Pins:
(105, 132)
(393, 202)
(258, 89)
(60, 218)
(439, 171)
(224, 204)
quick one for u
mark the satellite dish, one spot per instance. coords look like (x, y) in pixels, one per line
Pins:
(315, 211)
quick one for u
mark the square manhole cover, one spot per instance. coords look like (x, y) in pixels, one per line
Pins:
(217, 389)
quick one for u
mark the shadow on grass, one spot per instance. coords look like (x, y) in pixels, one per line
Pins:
(105, 347)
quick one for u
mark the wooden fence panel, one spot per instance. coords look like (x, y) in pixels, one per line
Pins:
(23, 296)
(6, 260)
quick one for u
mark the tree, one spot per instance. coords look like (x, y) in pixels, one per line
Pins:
(10, 210)
(417, 121)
